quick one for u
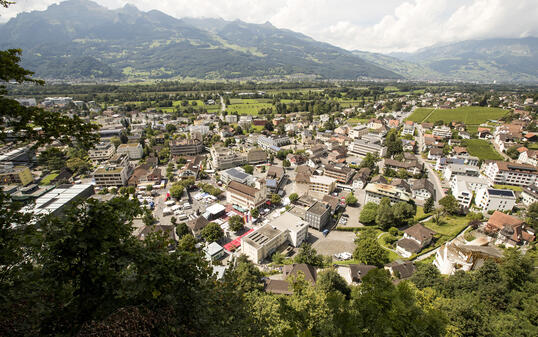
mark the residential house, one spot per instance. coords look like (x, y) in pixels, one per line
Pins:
(274, 179)
(196, 225)
(422, 189)
(401, 270)
(443, 162)
(412, 166)
(435, 153)
(442, 131)
(408, 128)
(508, 230)
(484, 133)
(256, 156)
(353, 273)
(529, 157)
(414, 240)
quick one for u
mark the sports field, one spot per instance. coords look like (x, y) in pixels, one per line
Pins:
(471, 115)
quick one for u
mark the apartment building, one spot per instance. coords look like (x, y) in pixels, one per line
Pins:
(358, 131)
(422, 189)
(362, 147)
(504, 173)
(341, 173)
(223, 158)
(115, 173)
(265, 240)
(102, 151)
(442, 131)
(408, 128)
(16, 175)
(245, 196)
(490, 199)
(443, 162)
(463, 187)
(375, 192)
(317, 215)
(186, 147)
(198, 130)
(133, 150)
(460, 170)
(321, 185)
(272, 143)
(411, 166)
(529, 195)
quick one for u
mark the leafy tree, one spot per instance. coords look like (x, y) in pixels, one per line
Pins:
(329, 280)
(368, 213)
(385, 214)
(255, 213)
(403, 213)
(308, 255)
(369, 161)
(368, 250)
(212, 232)
(30, 124)
(429, 205)
(426, 275)
(286, 163)
(176, 191)
(182, 229)
(294, 197)
(248, 169)
(187, 243)
(450, 204)
(351, 199)
(393, 143)
(245, 276)
(275, 199)
(148, 217)
(532, 215)
(236, 223)
(77, 165)
(53, 158)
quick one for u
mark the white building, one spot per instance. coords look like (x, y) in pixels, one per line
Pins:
(102, 151)
(264, 241)
(529, 195)
(116, 173)
(463, 187)
(504, 173)
(223, 158)
(529, 157)
(272, 143)
(358, 131)
(460, 170)
(408, 128)
(442, 131)
(133, 150)
(362, 147)
(491, 199)
(199, 129)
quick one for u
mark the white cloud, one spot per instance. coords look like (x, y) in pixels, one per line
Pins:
(386, 25)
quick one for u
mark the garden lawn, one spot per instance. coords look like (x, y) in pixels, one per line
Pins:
(420, 214)
(48, 179)
(509, 187)
(450, 226)
(482, 149)
(392, 255)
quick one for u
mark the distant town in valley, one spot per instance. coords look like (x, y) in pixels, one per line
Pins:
(265, 204)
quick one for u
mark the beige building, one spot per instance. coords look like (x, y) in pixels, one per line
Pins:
(102, 151)
(264, 241)
(223, 158)
(244, 196)
(186, 147)
(321, 185)
(133, 150)
(376, 192)
(116, 173)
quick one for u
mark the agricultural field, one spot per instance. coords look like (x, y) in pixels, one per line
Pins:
(470, 115)
(482, 149)
(248, 106)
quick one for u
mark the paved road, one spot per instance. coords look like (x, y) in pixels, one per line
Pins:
(222, 104)
(432, 176)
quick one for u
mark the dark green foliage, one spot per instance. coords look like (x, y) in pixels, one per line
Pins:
(450, 204)
(368, 250)
(532, 215)
(368, 213)
(212, 232)
(329, 281)
(308, 255)
(429, 205)
(236, 223)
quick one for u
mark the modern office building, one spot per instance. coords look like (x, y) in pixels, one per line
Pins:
(491, 199)
(133, 150)
(186, 147)
(16, 175)
(317, 216)
(102, 151)
(115, 173)
(504, 173)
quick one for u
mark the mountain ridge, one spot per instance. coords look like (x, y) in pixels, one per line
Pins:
(127, 42)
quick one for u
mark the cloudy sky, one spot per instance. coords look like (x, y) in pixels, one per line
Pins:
(373, 25)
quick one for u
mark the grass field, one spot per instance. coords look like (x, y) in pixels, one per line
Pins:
(450, 226)
(357, 120)
(471, 115)
(248, 106)
(482, 149)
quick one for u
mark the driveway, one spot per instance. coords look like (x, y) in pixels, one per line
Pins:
(335, 242)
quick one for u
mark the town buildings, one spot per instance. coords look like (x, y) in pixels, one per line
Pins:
(102, 151)
(504, 173)
(490, 199)
(317, 216)
(375, 192)
(115, 173)
(186, 147)
(133, 150)
(244, 196)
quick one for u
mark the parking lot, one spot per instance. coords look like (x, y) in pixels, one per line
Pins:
(335, 242)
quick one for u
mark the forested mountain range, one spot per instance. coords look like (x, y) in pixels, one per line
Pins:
(500, 60)
(80, 38)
